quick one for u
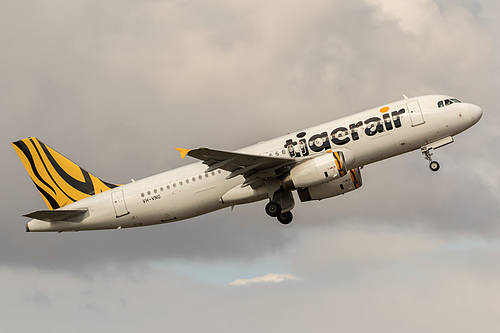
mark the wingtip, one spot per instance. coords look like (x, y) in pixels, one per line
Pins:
(183, 152)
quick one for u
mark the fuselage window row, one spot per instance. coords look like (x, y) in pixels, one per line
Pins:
(193, 179)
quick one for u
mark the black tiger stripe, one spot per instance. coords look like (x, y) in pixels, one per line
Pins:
(86, 187)
(48, 172)
(24, 148)
(109, 184)
(356, 177)
(50, 199)
(339, 159)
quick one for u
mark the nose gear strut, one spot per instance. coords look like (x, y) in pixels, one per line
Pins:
(427, 152)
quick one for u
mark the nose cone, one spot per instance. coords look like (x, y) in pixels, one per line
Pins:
(475, 113)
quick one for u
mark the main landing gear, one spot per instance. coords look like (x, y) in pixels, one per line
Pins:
(273, 209)
(427, 152)
(280, 206)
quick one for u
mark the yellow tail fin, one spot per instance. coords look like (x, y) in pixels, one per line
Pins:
(58, 180)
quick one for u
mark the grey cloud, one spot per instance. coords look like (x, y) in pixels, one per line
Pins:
(401, 291)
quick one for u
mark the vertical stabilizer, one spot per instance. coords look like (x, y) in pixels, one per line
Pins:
(59, 180)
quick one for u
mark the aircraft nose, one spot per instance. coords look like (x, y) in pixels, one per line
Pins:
(475, 112)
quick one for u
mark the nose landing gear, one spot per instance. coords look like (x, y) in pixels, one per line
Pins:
(434, 166)
(427, 152)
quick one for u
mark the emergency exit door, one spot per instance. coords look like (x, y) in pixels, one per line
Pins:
(415, 113)
(119, 203)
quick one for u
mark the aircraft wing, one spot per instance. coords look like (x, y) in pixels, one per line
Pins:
(254, 168)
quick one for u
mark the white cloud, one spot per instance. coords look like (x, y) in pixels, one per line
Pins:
(271, 277)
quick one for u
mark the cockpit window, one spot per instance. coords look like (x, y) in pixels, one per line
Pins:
(447, 102)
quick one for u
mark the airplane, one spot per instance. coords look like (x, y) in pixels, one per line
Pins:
(318, 163)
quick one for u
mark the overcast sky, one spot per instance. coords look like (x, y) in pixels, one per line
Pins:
(116, 85)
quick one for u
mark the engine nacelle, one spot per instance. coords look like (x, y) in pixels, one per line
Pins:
(345, 184)
(317, 170)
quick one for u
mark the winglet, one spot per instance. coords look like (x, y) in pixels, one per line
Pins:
(183, 152)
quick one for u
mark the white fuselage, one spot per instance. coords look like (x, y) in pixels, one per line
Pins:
(188, 191)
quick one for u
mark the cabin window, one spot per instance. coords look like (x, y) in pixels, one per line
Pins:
(200, 177)
(180, 183)
(149, 192)
(193, 179)
(168, 187)
(161, 188)
(174, 185)
(206, 175)
(142, 195)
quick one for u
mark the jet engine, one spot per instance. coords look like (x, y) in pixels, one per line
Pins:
(315, 171)
(351, 181)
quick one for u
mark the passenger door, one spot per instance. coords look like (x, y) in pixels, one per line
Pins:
(119, 203)
(415, 113)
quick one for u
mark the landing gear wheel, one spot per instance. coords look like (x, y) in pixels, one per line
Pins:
(273, 209)
(434, 166)
(427, 152)
(285, 218)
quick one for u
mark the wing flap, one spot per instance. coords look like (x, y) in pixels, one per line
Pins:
(216, 165)
(75, 215)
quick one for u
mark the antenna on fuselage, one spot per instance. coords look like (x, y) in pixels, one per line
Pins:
(405, 97)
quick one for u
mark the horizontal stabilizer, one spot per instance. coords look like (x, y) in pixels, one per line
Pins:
(57, 215)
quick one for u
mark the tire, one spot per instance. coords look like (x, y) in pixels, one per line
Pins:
(434, 166)
(273, 209)
(285, 218)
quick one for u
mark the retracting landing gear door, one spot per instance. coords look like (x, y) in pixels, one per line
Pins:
(415, 113)
(119, 203)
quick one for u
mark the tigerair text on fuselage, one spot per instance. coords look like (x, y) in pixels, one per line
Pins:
(342, 135)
